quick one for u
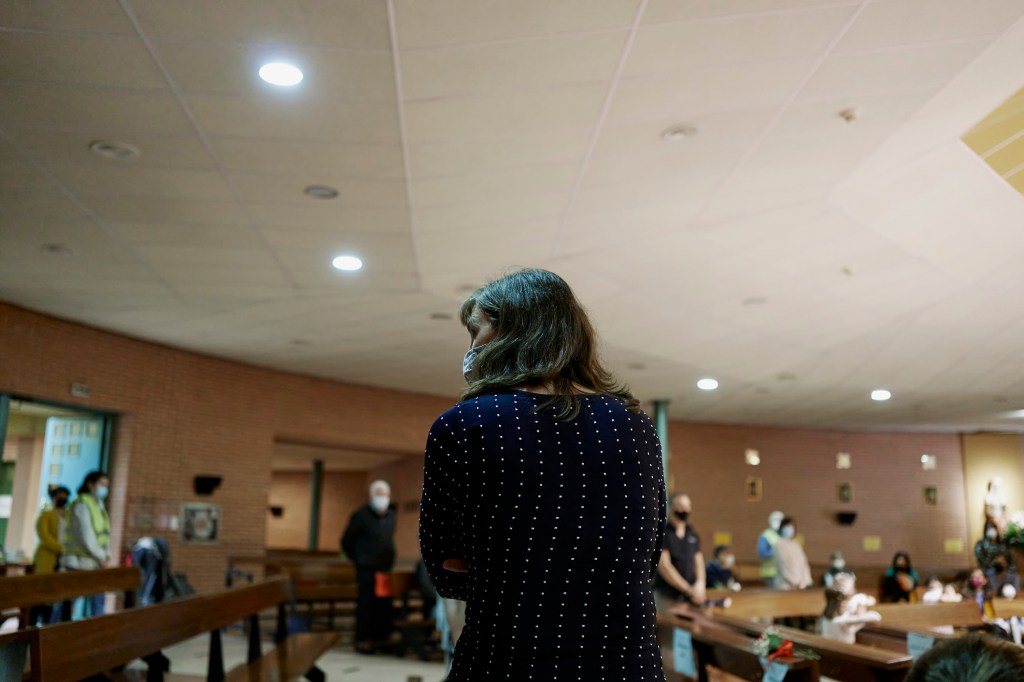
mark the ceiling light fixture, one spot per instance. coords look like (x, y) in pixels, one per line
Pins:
(707, 384)
(347, 263)
(57, 249)
(281, 73)
(850, 115)
(441, 316)
(118, 151)
(880, 394)
(321, 192)
(680, 132)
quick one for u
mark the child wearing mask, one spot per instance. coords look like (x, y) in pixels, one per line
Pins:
(719, 570)
(50, 527)
(838, 566)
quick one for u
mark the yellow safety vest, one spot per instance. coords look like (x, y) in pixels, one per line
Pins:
(100, 526)
(768, 568)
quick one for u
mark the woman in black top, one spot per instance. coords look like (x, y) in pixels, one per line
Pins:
(543, 498)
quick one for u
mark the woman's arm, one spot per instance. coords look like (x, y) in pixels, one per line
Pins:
(441, 511)
(47, 528)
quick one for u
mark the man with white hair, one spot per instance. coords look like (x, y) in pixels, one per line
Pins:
(369, 541)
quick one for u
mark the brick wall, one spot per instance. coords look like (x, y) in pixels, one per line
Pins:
(799, 475)
(183, 414)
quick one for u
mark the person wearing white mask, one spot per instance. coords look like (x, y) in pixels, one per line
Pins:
(369, 541)
(719, 570)
(989, 546)
(836, 568)
(766, 547)
(87, 535)
(793, 572)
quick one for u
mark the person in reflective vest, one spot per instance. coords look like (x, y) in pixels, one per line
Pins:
(766, 548)
(87, 539)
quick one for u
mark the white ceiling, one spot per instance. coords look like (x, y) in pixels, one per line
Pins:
(800, 259)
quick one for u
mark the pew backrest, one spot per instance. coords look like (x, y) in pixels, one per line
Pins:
(26, 591)
(73, 651)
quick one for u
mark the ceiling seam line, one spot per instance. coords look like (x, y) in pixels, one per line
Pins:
(205, 140)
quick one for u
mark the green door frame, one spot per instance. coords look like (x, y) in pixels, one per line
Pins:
(106, 415)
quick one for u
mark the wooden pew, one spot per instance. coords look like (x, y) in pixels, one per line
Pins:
(110, 642)
(841, 661)
(27, 591)
(724, 649)
(925, 617)
(765, 604)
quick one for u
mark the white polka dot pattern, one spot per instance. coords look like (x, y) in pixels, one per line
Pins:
(561, 526)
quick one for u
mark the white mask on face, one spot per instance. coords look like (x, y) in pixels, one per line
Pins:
(991, 533)
(380, 503)
(788, 532)
(101, 492)
(467, 362)
(839, 564)
(729, 561)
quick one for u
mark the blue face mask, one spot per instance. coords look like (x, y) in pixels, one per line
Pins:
(467, 362)
(101, 492)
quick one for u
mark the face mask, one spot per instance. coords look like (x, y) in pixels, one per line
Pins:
(101, 492)
(61, 503)
(788, 532)
(682, 515)
(729, 561)
(901, 569)
(999, 567)
(991, 533)
(977, 582)
(773, 522)
(467, 362)
(839, 564)
(380, 503)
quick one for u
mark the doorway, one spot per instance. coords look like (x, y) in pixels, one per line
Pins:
(44, 445)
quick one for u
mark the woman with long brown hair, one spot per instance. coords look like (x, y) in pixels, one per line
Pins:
(543, 498)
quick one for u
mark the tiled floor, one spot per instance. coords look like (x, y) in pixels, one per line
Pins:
(341, 664)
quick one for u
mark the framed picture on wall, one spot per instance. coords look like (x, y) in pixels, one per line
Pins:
(931, 494)
(845, 493)
(752, 488)
(200, 523)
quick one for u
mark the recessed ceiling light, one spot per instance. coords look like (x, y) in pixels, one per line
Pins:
(110, 149)
(281, 73)
(57, 249)
(301, 342)
(754, 300)
(707, 384)
(850, 115)
(880, 394)
(321, 192)
(441, 316)
(638, 366)
(346, 262)
(680, 132)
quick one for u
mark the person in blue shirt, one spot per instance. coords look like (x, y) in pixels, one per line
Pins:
(719, 569)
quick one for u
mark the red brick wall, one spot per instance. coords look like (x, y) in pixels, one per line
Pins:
(798, 470)
(184, 414)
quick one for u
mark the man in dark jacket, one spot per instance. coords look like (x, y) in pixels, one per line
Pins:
(369, 541)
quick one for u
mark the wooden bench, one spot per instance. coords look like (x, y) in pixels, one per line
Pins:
(725, 649)
(110, 642)
(27, 591)
(766, 604)
(841, 661)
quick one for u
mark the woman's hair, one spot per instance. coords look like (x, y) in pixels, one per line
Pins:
(971, 658)
(833, 602)
(54, 492)
(902, 553)
(90, 481)
(542, 336)
(787, 521)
